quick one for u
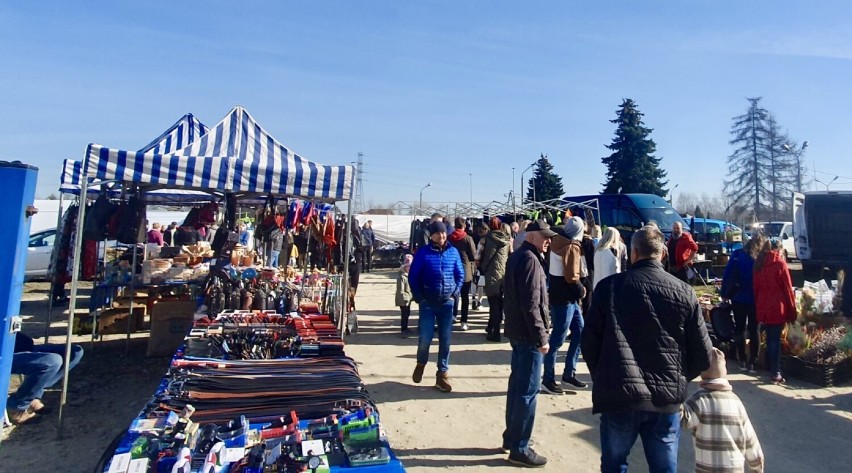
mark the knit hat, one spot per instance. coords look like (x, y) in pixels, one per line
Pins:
(717, 369)
(437, 227)
(574, 227)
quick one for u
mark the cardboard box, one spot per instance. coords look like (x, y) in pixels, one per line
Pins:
(171, 321)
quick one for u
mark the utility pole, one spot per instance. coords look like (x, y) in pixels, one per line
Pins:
(359, 185)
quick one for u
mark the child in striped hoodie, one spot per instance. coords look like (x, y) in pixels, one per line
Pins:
(724, 438)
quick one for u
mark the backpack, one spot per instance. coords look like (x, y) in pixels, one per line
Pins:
(734, 287)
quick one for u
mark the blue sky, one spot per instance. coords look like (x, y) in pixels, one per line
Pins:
(430, 91)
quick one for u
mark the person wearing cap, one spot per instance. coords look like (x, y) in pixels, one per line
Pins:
(566, 292)
(403, 295)
(723, 436)
(436, 277)
(644, 339)
(527, 324)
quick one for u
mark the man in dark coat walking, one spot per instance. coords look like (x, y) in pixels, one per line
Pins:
(644, 340)
(527, 325)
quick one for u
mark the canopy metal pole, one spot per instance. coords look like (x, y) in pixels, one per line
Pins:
(132, 296)
(75, 278)
(53, 259)
(344, 284)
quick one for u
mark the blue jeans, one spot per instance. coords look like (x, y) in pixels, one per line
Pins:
(660, 435)
(429, 313)
(273, 258)
(42, 368)
(773, 347)
(563, 317)
(522, 395)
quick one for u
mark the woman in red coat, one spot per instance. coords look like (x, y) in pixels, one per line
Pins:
(774, 303)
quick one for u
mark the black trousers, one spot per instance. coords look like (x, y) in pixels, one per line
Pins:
(405, 313)
(745, 321)
(495, 314)
(465, 303)
(368, 259)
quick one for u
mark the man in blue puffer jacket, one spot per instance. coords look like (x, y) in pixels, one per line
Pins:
(436, 277)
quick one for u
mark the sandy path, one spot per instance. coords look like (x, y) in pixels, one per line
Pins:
(800, 428)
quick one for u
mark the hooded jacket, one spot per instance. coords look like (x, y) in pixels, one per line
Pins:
(644, 339)
(436, 274)
(774, 302)
(565, 271)
(467, 251)
(492, 262)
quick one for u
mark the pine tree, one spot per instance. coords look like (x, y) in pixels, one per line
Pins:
(632, 166)
(545, 184)
(762, 172)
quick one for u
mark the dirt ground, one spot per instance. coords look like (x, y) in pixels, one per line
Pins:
(801, 427)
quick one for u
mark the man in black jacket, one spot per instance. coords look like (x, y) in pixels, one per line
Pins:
(644, 340)
(527, 325)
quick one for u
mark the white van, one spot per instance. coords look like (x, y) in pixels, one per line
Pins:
(780, 231)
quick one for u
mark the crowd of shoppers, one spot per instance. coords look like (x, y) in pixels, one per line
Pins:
(640, 330)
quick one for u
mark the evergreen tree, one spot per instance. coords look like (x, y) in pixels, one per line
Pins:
(762, 172)
(632, 166)
(698, 213)
(545, 184)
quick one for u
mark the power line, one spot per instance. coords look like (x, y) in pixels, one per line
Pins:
(359, 186)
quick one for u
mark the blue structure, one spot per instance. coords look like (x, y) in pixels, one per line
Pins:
(19, 183)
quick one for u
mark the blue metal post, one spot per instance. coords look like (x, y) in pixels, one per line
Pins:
(19, 183)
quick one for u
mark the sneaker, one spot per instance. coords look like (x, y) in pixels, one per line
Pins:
(778, 379)
(442, 382)
(573, 381)
(39, 408)
(752, 369)
(464, 327)
(494, 338)
(405, 333)
(418, 372)
(743, 366)
(550, 387)
(529, 459)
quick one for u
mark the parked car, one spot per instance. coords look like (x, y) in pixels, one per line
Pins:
(39, 252)
(628, 212)
(716, 238)
(781, 231)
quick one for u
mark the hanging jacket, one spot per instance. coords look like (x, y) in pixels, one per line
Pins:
(436, 274)
(774, 302)
(464, 244)
(492, 261)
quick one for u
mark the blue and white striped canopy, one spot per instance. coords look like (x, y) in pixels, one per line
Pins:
(236, 155)
(186, 130)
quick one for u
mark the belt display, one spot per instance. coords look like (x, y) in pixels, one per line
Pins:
(257, 392)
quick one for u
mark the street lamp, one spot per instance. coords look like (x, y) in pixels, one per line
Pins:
(470, 174)
(421, 195)
(522, 183)
(827, 184)
(671, 194)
